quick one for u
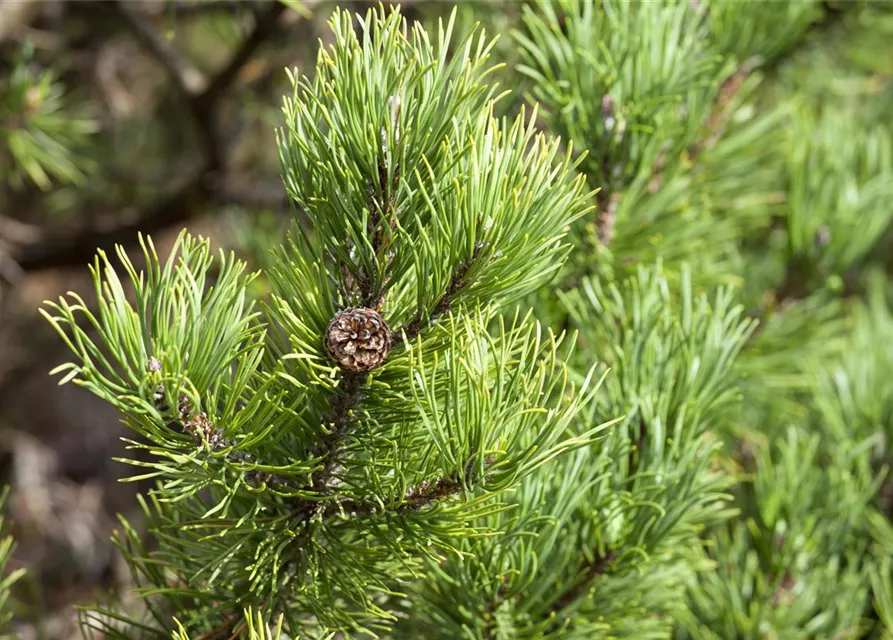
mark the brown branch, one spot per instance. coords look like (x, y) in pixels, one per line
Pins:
(249, 192)
(415, 499)
(265, 25)
(608, 199)
(195, 423)
(11, 271)
(794, 286)
(187, 79)
(184, 202)
(76, 249)
(607, 214)
(719, 117)
(328, 447)
(597, 567)
(338, 417)
(457, 283)
(783, 591)
(16, 231)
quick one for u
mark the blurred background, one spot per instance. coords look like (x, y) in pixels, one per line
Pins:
(126, 117)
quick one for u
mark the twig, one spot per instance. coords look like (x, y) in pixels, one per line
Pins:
(792, 287)
(187, 79)
(195, 422)
(457, 283)
(413, 500)
(252, 193)
(338, 417)
(16, 231)
(75, 249)
(328, 446)
(607, 215)
(596, 568)
(11, 271)
(608, 199)
(182, 203)
(719, 116)
(783, 592)
(265, 25)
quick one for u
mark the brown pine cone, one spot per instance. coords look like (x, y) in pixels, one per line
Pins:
(358, 339)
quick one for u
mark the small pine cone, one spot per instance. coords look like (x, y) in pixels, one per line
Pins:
(358, 339)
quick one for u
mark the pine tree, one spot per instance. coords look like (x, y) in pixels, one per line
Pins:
(313, 450)
(390, 443)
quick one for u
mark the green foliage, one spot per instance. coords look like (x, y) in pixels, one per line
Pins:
(254, 626)
(628, 80)
(854, 395)
(39, 130)
(251, 626)
(596, 542)
(793, 568)
(676, 469)
(429, 181)
(760, 31)
(746, 190)
(881, 571)
(650, 89)
(840, 175)
(288, 484)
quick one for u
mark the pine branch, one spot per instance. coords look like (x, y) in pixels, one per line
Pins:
(597, 567)
(719, 117)
(457, 283)
(352, 383)
(194, 422)
(608, 199)
(338, 417)
(415, 499)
